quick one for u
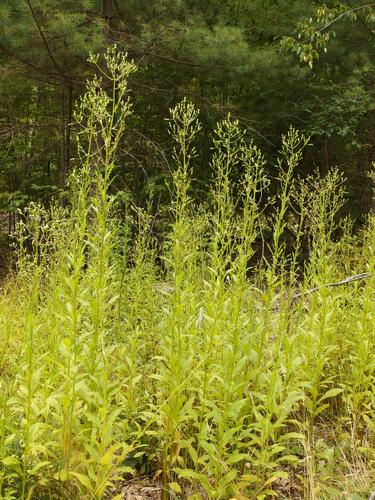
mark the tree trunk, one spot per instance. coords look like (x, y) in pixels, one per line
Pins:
(66, 103)
(106, 14)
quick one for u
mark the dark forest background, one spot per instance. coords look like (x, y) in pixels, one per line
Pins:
(270, 64)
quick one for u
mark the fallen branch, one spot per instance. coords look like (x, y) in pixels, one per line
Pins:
(345, 281)
(298, 294)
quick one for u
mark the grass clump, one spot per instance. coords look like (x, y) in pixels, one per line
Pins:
(218, 374)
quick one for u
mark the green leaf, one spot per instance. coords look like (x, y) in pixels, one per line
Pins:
(236, 457)
(249, 478)
(175, 487)
(10, 461)
(84, 480)
(288, 458)
(331, 393)
(292, 435)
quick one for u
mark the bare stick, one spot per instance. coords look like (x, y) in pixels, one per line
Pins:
(345, 281)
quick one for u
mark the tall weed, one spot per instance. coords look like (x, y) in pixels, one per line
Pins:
(220, 373)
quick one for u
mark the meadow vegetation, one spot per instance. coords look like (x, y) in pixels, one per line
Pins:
(198, 359)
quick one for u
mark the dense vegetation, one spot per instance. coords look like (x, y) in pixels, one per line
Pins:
(188, 309)
(215, 372)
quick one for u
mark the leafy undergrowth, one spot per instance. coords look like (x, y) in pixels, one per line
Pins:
(188, 368)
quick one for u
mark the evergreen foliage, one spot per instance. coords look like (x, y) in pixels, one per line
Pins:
(235, 56)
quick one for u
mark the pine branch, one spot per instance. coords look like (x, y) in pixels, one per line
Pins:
(45, 42)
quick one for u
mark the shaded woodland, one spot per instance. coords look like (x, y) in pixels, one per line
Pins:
(270, 64)
(187, 250)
